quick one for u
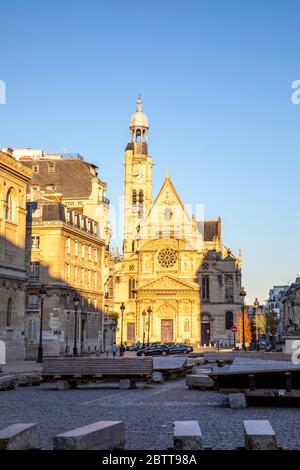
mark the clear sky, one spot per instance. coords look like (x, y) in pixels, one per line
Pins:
(215, 77)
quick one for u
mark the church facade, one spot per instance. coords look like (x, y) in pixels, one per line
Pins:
(176, 278)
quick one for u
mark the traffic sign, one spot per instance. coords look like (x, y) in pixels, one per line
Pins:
(233, 329)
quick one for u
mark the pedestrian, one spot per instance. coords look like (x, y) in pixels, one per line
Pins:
(114, 349)
(122, 350)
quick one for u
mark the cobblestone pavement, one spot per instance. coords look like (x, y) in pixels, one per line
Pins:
(148, 413)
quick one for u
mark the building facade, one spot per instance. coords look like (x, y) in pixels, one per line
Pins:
(176, 278)
(14, 177)
(66, 255)
(290, 314)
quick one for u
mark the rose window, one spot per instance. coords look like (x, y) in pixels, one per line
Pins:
(167, 257)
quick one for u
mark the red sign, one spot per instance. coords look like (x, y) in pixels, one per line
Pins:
(233, 329)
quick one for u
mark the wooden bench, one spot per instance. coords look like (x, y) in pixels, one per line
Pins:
(101, 435)
(69, 371)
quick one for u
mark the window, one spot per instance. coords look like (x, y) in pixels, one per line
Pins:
(82, 277)
(205, 266)
(51, 167)
(33, 301)
(32, 329)
(9, 319)
(9, 205)
(131, 288)
(35, 169)
(35, 242)
(76, 247)
(186, 326)
(205, 287)
(89, 278)
(96, 254)
(90, 252)
(75, 274)
(141, 196)
(34, 273)
(68, 245)
(228, 320)
(82, 251)
(68, 271)
(95, 279)
(229, 287)
(134, 197)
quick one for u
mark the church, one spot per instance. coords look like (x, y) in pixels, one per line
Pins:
(176, 281)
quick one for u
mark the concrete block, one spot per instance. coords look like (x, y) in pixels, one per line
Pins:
(102, 435)
(157, 377)
(8, 382)
(65, 385)
(259, 435)
(21, 436)
(204, 382)
(198, 370)
(29, 379)
(126, 384)
(237, 400)
(187, 435)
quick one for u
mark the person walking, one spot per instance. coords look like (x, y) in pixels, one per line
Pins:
(122, 350)
(114, 349)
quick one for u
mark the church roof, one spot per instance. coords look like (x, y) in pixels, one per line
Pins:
(211, 229)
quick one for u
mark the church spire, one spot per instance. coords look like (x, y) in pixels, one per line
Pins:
(139, 129)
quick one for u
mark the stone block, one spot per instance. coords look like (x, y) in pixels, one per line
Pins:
(65, 385)
(8, 382)
(126, 384)
(198, 370)
(29, 379)
(187, 435)
(237, 400)
(204, 382)
(157, 377)
(259, 435)
(102, 435)
(21, 436)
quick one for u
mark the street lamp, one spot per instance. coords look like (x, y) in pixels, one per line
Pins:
(243, 295)
(149, 313)
(122, 308)
(144, 316)
(76, 300)
(256, 305)
(67, 349)
(42, 293)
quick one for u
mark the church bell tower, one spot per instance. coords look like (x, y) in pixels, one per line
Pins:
(138, 177)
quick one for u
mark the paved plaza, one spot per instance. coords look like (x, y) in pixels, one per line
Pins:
(148, 413)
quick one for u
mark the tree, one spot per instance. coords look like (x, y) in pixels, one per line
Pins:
(272, 322)
(247, 327)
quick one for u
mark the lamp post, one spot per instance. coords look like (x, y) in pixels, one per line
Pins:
(76, 301)
(42, 293)
(243, 295)
(122, 308)
(149, 313)
(256, 305)
(144, 316)
(67, 349)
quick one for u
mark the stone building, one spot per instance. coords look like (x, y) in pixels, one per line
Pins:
(290, 315)
(174, 264)
(14, 177)
(66, 255)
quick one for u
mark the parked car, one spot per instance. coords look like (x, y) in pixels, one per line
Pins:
(154, 350)
(134, 346)
(170, 343)
(181, 348)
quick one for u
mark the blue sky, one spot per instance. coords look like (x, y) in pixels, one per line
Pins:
(215, 77)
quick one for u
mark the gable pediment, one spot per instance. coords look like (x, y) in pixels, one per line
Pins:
(169, 283)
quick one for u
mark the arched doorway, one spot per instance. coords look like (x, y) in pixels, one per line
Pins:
(205, 328)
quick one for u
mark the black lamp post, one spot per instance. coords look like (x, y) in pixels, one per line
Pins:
(149, 313)
(67, 350)
(243, 295)
(144, 333)
(76, 301)
(122, 308)
(42, 293)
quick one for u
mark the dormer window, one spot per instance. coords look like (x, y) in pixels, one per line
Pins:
(35, 169)
(51, 167)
